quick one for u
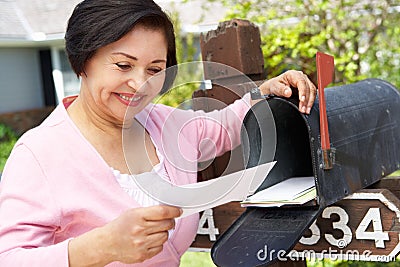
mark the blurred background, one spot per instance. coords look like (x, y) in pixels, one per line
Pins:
(362, 35)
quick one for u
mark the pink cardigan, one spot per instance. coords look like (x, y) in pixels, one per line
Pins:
(55, 185)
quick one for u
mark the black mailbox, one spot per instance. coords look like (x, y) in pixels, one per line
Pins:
(364, 129)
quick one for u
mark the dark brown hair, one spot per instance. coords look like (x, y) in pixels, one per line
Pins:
(97, 23)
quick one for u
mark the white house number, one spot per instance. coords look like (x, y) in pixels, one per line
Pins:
(373, 216)
(210, 230)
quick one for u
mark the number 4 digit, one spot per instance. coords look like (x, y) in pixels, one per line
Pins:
(211, 231)
(373, 215)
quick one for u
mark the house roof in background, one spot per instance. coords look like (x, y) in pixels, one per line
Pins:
(36, 21)
(196, 15)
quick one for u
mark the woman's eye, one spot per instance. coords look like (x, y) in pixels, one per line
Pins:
(123, 66)
(154, 70)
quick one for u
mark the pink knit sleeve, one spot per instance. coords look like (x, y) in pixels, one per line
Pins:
(218, 131)
(29, 217)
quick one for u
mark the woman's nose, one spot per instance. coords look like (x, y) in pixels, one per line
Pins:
(137, 80)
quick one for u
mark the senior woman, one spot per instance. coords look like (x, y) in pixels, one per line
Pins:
(65, 195)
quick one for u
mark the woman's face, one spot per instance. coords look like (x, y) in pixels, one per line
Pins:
(116, 75)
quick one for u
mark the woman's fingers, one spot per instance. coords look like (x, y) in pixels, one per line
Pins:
(145, 247)
(311, 98)
(156, 242)
(139, 233)
(151, 252)
(282, 86)
(157, 239)
(159, 226)
(307, 93)
(156, 213)
(275, 86)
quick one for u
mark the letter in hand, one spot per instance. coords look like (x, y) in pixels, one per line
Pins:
(139, 234)
(282, 86)
(136, 235)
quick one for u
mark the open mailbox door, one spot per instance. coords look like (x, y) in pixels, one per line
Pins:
(364, 133)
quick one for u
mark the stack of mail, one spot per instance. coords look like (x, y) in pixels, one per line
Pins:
(292, 191)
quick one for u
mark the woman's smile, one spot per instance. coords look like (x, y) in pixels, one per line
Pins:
(125, 74)
(129, 99)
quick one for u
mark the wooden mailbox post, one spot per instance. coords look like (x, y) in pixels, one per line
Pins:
(364, 226)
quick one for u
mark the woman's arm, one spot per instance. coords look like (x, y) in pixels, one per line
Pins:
(219, 130)
(30, 217)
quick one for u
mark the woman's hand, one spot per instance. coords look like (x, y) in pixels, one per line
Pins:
(135, 236)
(282, 86)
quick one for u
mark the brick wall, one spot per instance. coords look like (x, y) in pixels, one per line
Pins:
(22, 121)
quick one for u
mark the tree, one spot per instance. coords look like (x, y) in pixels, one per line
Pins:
(363, 36)
(186, 51)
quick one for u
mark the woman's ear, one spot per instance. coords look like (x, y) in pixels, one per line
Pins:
(82, 73)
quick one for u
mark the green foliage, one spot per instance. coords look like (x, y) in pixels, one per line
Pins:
(203, 259)
(396, 173)
(186, 52)
(7, 141)
(367, 264)
(340, 263)
(196, 259)
(363, 36)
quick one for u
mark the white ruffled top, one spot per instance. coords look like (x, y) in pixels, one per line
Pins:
(126, 181)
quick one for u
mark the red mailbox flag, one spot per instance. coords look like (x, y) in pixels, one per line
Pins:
(325, 70)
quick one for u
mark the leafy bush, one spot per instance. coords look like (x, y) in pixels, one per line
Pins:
(186, 51)
(362, 35)
(340, 263)
(7, 141)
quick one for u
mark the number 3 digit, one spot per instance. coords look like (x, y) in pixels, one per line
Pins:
(340, 225)
(315, 235)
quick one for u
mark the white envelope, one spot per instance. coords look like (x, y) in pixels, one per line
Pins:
(200, 196)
